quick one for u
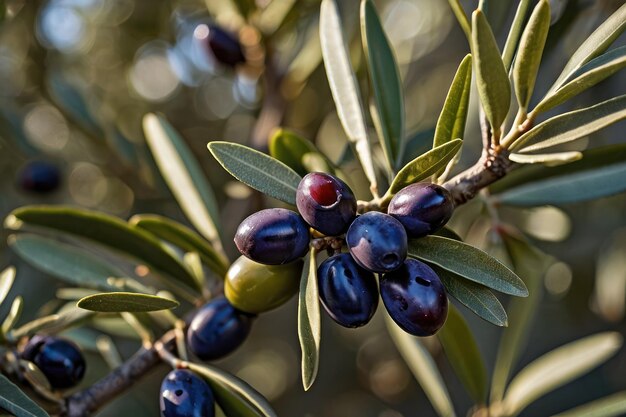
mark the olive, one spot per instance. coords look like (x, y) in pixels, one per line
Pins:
(255, 288)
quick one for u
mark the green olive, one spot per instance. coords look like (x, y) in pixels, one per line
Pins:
(254, 288)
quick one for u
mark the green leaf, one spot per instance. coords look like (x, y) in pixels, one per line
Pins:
(53, 323)
(479, 299)
(546, 158)
(449, 233)
(259, 171)
(118, 302)
(580, 185)
(492, 79)
(309, 321)
(515, 32)
(613, 405)
(65, 262)
(106, 230)
(463, 354)
(7, 277)
(598, 42)
(451, 123)
(571, 126)
(183, 237)
(592, 159)
(461, 17)
(14, 315)
(530, 264)
(529, 53)
(183, 175)
(289, 148)
(233, 395)
(13, 400)
(423, 367)
(468, 262)
(417, 144)
(585, 77)
(343, 86)
(424, 166)
(559, 367)
(386, 82)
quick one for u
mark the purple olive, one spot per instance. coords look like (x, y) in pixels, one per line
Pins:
(39, 177)
(415, 298)
(348, 292)
(273, 236)
(377, 242)
(422, 208)
(184, 394)
(60, 360)
(326, 203)
(223, 45)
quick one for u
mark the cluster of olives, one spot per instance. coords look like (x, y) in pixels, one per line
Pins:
(273, 241)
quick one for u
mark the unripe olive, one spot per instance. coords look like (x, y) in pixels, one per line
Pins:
(255, 288)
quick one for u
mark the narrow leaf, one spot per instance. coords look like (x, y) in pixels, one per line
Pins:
(106, 230)
(118, 302)
(613, 405)
(259, 171)
(598, 42)
(461, 17)
(65, 262)
(530, 52)
(183, 237)
(571, 126)
(7, 277)
(515, 32)
(531, 265)
(14, 315)
(343, 86)
(492, 79)
(463, 354)
(546, 158)
(424, 166)
(183, 175)
(233, 395)
(479, 299)
(289, 148)
(53, 323)
(423, 367)
(386, 82)
(13, 400)
(451, 123)
(309, 321)
(585, 77)
(468, 262)
(559, 367)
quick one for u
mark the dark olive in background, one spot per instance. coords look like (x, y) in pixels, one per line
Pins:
(224, 46)
(39, 177)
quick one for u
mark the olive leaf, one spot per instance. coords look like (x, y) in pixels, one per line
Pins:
(530, 264)
(183, 175)
(451, 122)
(468, 262)
(478, 298)
(117, 302)
(463, 354)
(233, 395)
(65, 262)
(183, 237)
(106, 230)
(613, 405)
(289, 148)
(546, 158)
(14, 315)
(53, 323)
(530, 52)
(492, 79)
(423, 367)
(571, 126)
(259, 171)
(309, 320)
(598, 42)
(461, 17)
(343, 86)
(424, 166)
(7, 277)
(386, 83)
(13, 400)
(585, 77)
(515, 32)
(559, 367)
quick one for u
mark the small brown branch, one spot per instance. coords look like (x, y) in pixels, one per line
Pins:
(492, 165)
(86, 402)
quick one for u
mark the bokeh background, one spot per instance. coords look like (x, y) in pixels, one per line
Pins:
(77, 76)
